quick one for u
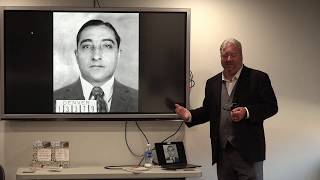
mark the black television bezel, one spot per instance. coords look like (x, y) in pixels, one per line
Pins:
(98, 117)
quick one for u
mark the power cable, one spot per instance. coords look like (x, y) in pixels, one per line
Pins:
(173, 133)
(126, 140)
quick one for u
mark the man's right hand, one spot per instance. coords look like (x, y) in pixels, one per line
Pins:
(183, 113)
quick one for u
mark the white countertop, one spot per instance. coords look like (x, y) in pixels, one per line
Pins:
(98, 172)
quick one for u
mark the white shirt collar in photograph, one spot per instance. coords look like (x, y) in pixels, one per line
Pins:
(106, 87)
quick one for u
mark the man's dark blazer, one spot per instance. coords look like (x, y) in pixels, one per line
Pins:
(254, 91)
(124, 98)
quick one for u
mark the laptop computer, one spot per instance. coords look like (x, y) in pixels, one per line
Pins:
(172, 156)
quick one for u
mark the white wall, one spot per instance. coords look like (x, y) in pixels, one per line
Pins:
(279, 37)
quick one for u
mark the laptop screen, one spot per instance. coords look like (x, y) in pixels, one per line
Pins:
(171, 153)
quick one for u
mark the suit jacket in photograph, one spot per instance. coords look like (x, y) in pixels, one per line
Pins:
(172, 160)
(254, 91)
(124, 98)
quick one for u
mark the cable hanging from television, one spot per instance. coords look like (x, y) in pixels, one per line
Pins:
(126, 140)
(145, 137)
(173, 133)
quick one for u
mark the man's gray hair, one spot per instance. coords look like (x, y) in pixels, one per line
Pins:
(230, 41)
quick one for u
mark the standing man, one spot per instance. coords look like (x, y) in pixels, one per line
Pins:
(97, 56)
(237, 101)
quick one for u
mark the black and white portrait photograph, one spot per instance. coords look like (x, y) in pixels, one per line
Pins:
(95, 62)
(171, 153)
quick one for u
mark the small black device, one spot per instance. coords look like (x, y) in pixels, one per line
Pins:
(172, 156)
(230, 106)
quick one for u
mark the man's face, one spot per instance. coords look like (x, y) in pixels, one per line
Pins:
(231, 59)
(97, 54)
(171, 152)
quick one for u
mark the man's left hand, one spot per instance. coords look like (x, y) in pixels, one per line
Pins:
(238, 113)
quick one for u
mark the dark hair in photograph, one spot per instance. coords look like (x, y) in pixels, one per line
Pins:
(96, 22)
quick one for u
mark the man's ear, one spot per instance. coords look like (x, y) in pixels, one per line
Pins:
(118, 58)
(76, 55)
(119, 53)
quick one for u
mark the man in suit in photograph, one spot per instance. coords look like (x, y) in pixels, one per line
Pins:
(171, 155)
(97, 56)
(236, 103)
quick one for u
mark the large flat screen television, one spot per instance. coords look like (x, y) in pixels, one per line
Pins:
(94, 63)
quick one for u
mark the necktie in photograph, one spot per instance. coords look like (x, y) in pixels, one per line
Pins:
(97, 94)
